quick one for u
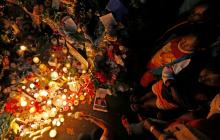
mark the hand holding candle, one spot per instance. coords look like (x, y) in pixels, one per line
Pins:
(79, 115)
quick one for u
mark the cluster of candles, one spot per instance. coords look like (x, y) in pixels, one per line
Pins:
(43, 98)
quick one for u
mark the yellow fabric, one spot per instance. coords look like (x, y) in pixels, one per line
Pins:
(214, 106)
(103, 138)
(163, 56)
(160, 102)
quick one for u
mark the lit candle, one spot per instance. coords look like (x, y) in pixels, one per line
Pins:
(23, 87)
(54, 122)
(72, 108)
(43, 92)
(65, 69)
(23, 102)
(54, 75)
(37, 137)
(68, 65)
(34, 126)
(63, 96)
(36, 60)
(35, 133)
(73, 86)
(58, 123)
(64, 103)
(32, 110)
(54, 109)
(53, 133)
(45, 130)
(45, 115)
(49, 102)
(83, 71)
(61, 119)
(81, 97)
(32, 85)
(78, 115)
(36, 95)
(69, 114)
(76, 102)
(23, 48)
(28, 89)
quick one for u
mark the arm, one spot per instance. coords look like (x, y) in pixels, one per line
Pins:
(171, 86)
(99, 122)
(181, 98)
(156, 132)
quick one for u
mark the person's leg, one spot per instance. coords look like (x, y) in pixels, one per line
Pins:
(96, 133)
(142, 99)
(134, 128)
(138, 128)
(147, 96)
(149, 104)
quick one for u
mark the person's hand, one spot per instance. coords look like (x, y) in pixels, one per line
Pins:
(167, 74)
(147, 124)
(126, 125)
(79, 115)
(82, 115)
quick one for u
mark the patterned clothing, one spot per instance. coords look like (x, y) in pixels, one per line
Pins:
(161, 103)
(167, 54)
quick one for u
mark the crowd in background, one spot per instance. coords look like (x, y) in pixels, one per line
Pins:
(179, 93)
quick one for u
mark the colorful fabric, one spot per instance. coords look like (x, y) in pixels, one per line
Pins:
(167, 74)
(214, 106)
(103, 138)
(180, 65)
(161, 103)
(169, 53)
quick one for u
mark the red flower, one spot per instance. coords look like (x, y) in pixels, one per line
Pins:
(113, 79)
(29, 60)
(110, 54)
(66, 108)
(57, 48)
(90, 89)
(113, 76)
(37, 107)
(46, 87)
(101, 77)
(29, 76)
(55, 32)
(37, 84)
(8, 107)
(11, 106)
